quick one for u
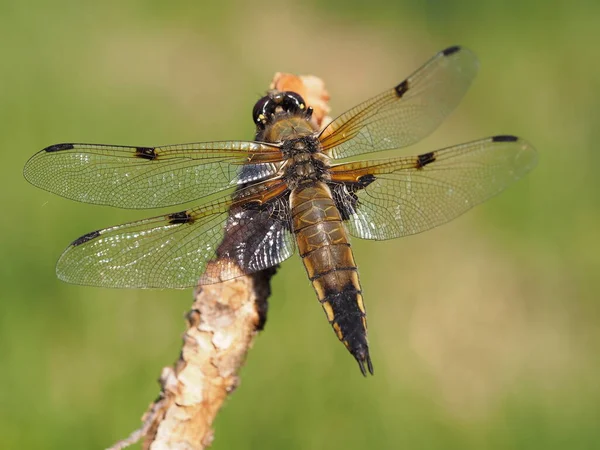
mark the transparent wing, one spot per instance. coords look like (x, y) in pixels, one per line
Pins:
(407, 113)
(174, 250)
(390, 198)
(148, 177)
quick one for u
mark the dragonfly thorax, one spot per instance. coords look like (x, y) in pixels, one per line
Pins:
(304, 161)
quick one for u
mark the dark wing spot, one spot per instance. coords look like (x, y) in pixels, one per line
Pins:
(254, 205)
(180, 217)
(365, 180)
(145, 152)
(59, 147)
(450, 50)
(344, 195)
(505, 138)
(401, 88)
(85, 238)
(424, 159)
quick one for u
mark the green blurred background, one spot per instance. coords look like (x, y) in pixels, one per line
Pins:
(484, 332)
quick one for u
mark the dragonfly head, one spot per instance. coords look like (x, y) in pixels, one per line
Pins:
(277, 103)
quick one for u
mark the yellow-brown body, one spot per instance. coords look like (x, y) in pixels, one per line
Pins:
(327, 256)
(321, 236)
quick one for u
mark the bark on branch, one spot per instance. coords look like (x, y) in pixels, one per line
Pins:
(222, 324)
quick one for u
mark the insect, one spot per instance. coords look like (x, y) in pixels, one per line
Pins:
(285, 189)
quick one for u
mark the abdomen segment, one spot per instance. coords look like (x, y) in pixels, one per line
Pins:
(327, 257)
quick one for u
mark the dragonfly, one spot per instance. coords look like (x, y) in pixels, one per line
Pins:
(294, 186)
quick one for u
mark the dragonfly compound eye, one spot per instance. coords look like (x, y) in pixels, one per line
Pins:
(293, 102)
(263, 110)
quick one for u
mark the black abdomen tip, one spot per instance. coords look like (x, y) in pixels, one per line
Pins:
(450, 50)
(364, 362)
(59, 147)
(505, 138)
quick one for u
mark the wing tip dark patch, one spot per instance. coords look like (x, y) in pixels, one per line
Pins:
(451, 50)
(401, 88)
(59, 147)
(85, 238)
(505, 138)
(148, 153)
(180, 217)
(424, 159)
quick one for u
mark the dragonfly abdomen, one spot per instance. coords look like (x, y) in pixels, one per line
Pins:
(327, 256)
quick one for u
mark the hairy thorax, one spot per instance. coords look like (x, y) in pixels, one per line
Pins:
(304, 162)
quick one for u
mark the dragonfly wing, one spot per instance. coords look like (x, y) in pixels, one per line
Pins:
(148, 177)
(173, 250)
(390, 198)
(407, 113)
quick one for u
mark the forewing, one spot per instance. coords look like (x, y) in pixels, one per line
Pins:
(174, 250)
(407, 113)
(148, 177)
(389, 198)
